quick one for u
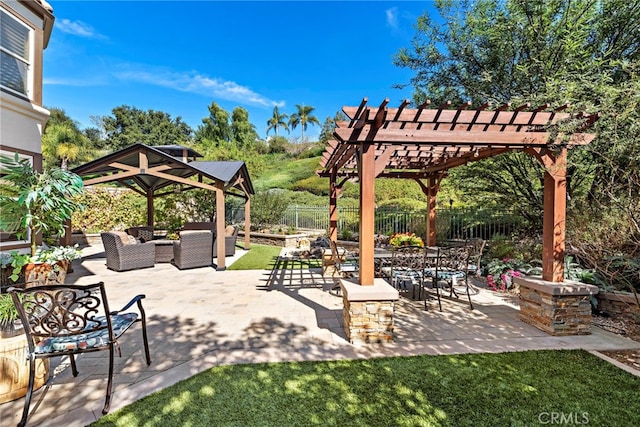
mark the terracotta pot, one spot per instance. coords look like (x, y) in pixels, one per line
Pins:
(45, 274)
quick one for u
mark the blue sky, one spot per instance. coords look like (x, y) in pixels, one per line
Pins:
(179, 57)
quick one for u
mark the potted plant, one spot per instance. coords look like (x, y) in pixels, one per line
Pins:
(9, 326)
(405, 239)
(32, 202)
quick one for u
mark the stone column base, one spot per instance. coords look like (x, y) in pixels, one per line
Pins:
(368, 311)
(562, 308)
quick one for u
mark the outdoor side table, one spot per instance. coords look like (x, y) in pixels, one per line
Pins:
(164, 250)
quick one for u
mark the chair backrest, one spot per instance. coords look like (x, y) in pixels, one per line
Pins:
(408, 258)
(62, 311)
(189, 237)
(144, 233)
(211, 226)
(476, 249)
(454, 258)
(336, 256)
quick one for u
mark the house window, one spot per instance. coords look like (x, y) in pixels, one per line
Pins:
(13, 237)
(15, 54)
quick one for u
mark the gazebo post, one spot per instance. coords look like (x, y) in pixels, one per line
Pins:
(247, 223)
(150, 208)
(220, 224)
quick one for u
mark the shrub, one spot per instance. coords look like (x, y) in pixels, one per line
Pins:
(109, 209)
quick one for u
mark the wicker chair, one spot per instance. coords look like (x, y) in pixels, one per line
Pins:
(124, 252)
(194, 249)
(143, 233)
(230, 238)
(65, 320)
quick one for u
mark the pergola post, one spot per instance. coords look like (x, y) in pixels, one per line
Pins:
(554, 218)
(367, 212)
(333, 206)
(432, 187)
(247, 223)
(430, 190)
(220, 224)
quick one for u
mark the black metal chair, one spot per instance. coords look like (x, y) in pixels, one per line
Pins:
(451, 273)
(407, 268)
(64, 320)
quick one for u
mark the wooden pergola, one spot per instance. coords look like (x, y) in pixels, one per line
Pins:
(157, 171)
(423, 143)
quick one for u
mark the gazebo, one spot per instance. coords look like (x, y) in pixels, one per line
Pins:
(157, 171)
(423, 143)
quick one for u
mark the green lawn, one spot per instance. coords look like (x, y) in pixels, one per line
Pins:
(506, 389)
(260, 257)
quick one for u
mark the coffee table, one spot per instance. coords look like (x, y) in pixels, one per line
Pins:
(164, 250)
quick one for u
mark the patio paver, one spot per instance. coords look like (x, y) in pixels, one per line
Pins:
(201, 318)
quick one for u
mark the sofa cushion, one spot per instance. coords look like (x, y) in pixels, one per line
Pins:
(125, 239)
(229, 230)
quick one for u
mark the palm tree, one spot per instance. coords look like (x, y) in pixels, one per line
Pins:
(278, 120)
(63, 143)
(303, 118)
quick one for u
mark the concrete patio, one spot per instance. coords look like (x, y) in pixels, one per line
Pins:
(201, 318)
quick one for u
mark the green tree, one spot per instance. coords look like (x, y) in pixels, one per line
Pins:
(303, 117)
(244, 133)
(267, 208)
(130, 125)
(63, 144)
(534, 51)
(215, 129)
(276, 121)
(329, 126)
(494, 51)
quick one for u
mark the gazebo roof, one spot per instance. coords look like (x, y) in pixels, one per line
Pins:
(150, 169)
(418, 142)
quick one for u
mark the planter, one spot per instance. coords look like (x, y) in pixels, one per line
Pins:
(45, 274)
(14, 368)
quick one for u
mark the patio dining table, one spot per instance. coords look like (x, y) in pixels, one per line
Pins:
(382, 258)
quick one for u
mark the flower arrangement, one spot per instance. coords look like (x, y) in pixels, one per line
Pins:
(405, 239)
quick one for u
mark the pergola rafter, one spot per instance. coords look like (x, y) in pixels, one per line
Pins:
(424, 143)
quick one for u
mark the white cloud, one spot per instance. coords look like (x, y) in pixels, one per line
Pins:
(392, 17)
(77, 28)
(195, 82)
(76, 82)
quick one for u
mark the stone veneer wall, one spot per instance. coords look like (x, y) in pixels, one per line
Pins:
(368, 321)
(620, 304)
(556, 308)
(368, 311)
(282, 240)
